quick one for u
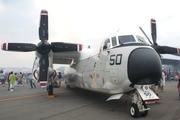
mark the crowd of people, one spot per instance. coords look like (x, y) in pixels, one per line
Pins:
(19, 79)
(167, 76)
(171, 75)
(16, 80)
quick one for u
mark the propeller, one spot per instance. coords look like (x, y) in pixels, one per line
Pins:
(43, 47)
(158, 48)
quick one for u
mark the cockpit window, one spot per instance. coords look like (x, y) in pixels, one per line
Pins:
(126, 38)
(141, 39)
(105, 46)
(114, 42)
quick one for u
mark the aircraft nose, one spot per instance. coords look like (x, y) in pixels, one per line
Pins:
(144, 66)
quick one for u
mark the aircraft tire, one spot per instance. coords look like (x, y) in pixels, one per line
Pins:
(68, 86)
(134, 111)
(145, 113)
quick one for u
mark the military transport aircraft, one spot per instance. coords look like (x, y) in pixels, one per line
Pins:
(124, 64)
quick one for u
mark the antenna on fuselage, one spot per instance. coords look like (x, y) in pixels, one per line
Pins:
(145, 35)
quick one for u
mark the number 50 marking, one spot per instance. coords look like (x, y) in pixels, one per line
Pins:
(115, 59)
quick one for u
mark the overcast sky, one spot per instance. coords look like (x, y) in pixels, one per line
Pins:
(83, 21)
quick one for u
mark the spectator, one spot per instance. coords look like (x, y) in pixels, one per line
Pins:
(8, 80)
(176, 75)
(27, 79)
(16, 79)
(154, 88)
(163, 81)
(159, 84)
(24, 77)
(169, 75)
(178, 87)
(12, 81)
(59, 75)
(20, 78)
(2, 79)
(31, 81)
(60, 78)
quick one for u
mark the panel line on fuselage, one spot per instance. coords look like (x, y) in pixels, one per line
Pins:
(84, 70)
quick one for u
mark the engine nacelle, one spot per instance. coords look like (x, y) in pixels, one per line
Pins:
(70, 74)
(52, 73)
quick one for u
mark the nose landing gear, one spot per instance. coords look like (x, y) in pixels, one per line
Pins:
(138, 107)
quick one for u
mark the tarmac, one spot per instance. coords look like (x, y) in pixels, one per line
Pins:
(77, 104)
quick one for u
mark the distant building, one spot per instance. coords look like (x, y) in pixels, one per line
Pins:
(170, 62)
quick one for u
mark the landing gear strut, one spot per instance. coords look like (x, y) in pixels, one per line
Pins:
(50, 91)
(68, 86)
(138, 107)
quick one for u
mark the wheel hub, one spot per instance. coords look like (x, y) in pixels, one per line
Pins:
(132, 111)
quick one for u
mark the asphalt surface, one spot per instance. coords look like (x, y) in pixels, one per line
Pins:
(77, 104)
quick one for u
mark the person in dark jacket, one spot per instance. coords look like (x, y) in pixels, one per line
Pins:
(178, 87)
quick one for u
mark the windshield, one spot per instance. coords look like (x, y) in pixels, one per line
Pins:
(126, 38)
(131, 34)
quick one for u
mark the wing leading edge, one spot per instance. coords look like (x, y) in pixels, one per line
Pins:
(65, 52)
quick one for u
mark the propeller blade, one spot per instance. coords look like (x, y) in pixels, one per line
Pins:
(166, 49)
(20, 47)
(161, 49)
(153, 31)
(43, 72)
(43, 28)
(61, 47)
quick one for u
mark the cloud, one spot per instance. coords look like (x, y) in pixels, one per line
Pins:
(86, 22)
(17, 25)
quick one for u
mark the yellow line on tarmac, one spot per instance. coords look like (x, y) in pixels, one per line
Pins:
(30, 96)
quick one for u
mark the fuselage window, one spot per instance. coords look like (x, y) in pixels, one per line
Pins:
(126, 38)
(105, 46)
(114, 42)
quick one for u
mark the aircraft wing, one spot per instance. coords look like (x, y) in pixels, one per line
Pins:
(65, 53)
(65, 57)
